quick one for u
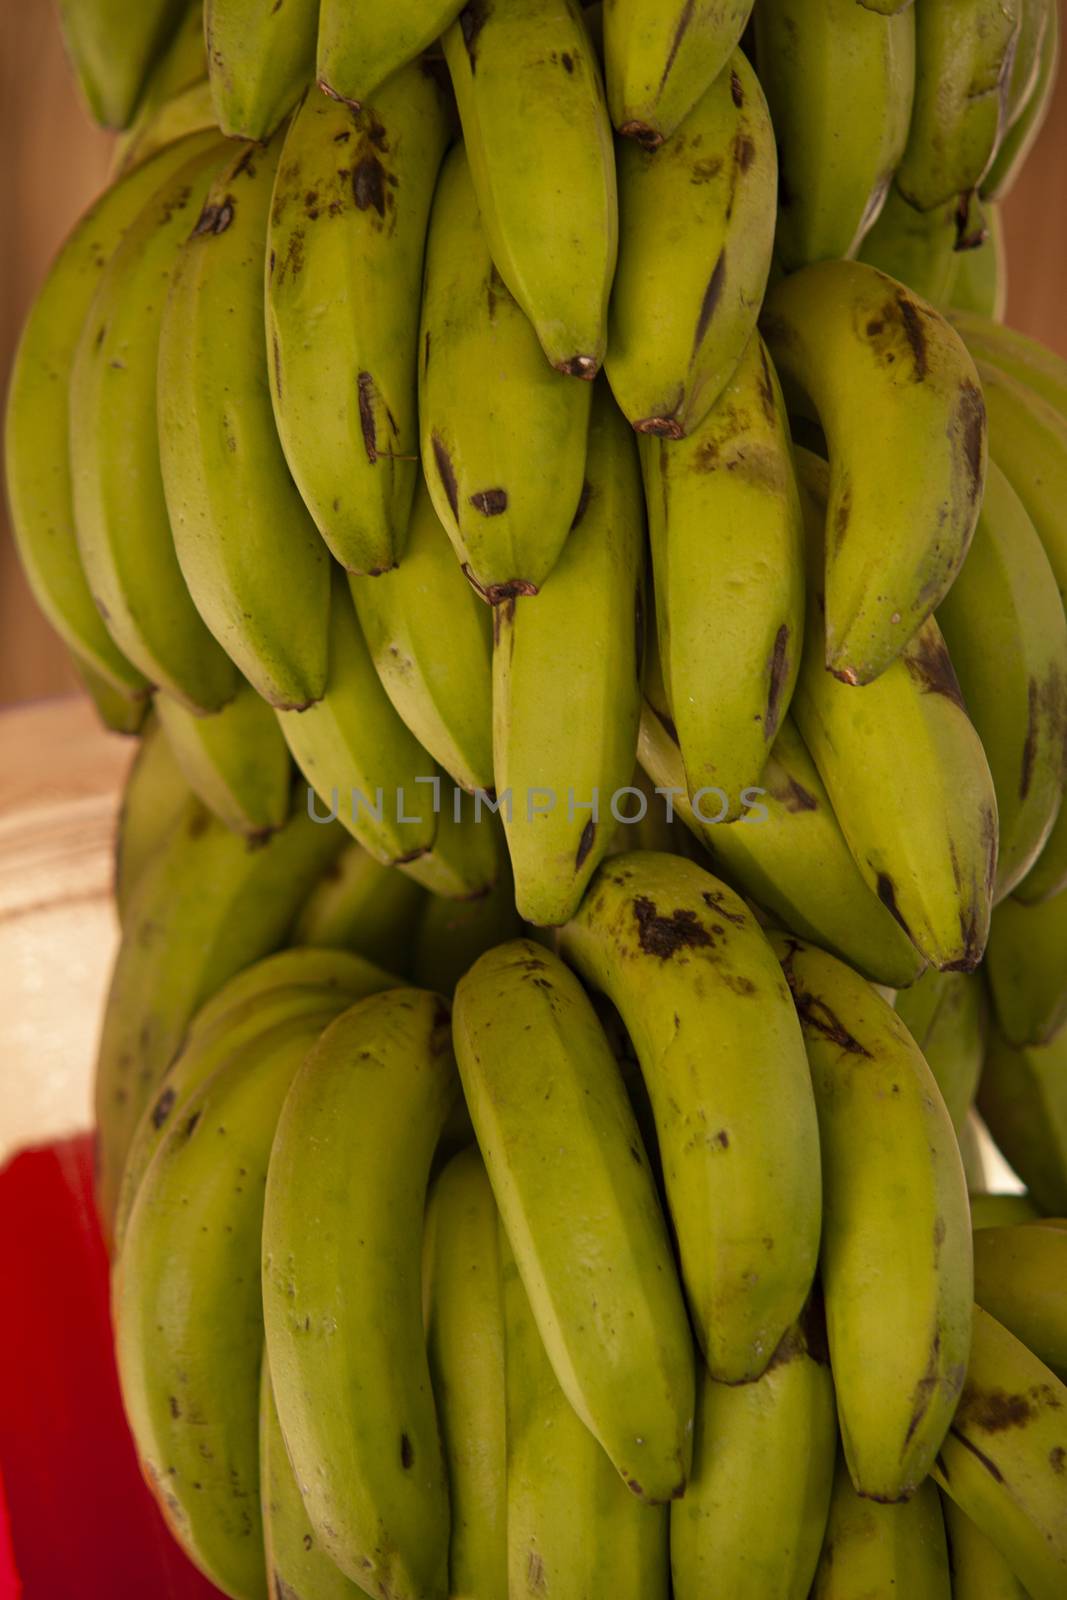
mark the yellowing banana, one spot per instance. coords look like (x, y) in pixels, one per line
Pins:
(359, 47)
(853, 344)
(945, 1015)
(112, 49)
(881, 1550)
(659, 58)
(345, 244)
(1020, 1277)
(361, 905)
(696, 222)
(1025, 969)
(234, 760)
(261, 55)
(979, 1571)
(1022, 1097)
(154, 797)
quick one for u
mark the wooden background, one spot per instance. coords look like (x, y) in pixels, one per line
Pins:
(54, 161)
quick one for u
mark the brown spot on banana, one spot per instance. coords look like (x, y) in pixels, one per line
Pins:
(930, 665)
(447, 474)
(925, 1390)
(911, 321)
(215, 219)
(779, 671)
(969, 424)
(585, 844)
(490, 502)
(1030, 742)
(887, 894)
(665, 936)
(712, 295)
(365, 390)
(472, 20)
(684, 19)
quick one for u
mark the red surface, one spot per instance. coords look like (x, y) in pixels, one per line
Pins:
(79, 1520)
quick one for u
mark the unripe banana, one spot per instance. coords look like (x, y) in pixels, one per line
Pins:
(223, 468)
(117, 711)
(895, 1196)
(1001, 1210)
(464, 1311)
(883, 1550)
(503, 436)
(945, 1015)
(188, 111)
(964, 50)
(359, 47)
(342, 1301)
(1015, 354)
(1025, 969)
(710, 1017)
(234, 760)
(752, 1521)
(1048, 875)
(696, 224)
(294, 968)
(980, 280)
(182, 63)
(727, 537)
(979, 1571)
(591, 1245)
(574, 1530)
(450, 935)
(839, 80)
(1020, 1277)
(1003, 1460)
(660, 58)
(363, 906)
(567, 685)
(112, 49)
(430, 638)
(1021, 135)
(918, 248)
(345, 244)
(154, 797)
(1022, 1097)
(536, 129)
(261, 56)
(853, 344)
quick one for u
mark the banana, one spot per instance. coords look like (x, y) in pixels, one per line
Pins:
(567, 685)
(1025, 970)
(295, 1564)
(1006, 633)
(182, 63)
(980, 280)
(299, 968)
(206, 907)
(927, 845)
(117, 711)
(1034, 18)
(591, 1245)
(538, 139)
(1029, 444)
(449, 936)
(727, 538)
(359, 47)
(752, 1521)
(154, 797)
(464, 1313)
(853, 344)
(979, 1571)
(235, 760)
(573, 1529)
(1002, 1462)
(223, 468)
(894, 1194)
(722, 1057)
(945, 1015)
(503, 436)
(189, 1361)
(1019, 357)
(342, 1301)
(188, 111)
(112, 49)
(964, 51)
(918, 248)
(37, 421)
(345, 244)
(696, 225)
(363, 906)
(1022, 131)
(881, 1550)
(1020, 1277)
(1001, 1210)
(839, 80)
(430, 638)
(1022, 1097)
(260, 58)
(660, 59)
(1048, 876)
(465, 860)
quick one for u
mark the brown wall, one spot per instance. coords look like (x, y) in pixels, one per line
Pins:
(54, 160)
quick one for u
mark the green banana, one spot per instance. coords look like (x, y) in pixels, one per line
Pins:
(573, 1529)
(727, 538)
(261, 56)
(359, 47)
(918, 248)
(112, 49)
(839, 80)
(964, 50)
(503, 436)
(903, 502)
(449, 936)
(465, 860)
(118, 712)
(1002, 1462)
(363, 906)
(223, 468)
(182, 64)
(591, 1245)
(752, 1521)
(1021, 134)
(1006, 633)
(188, 111)
(527, 83)
(945, 1015)
(154, 797)
(895, 1195)
(430, 638)
(567, 685)
(37, 420)
(342, 1301)
(345, 244)
(1029, 443)
(721, 1054)
(1001, 1210)
(1013, 353)
(979, 1571)
(660, 59)
(298, 967)
(1022, 1097)
(189, 1361)
(464, 1313)
(980, 280)
(206, 907)
(1025, 971)
(1020, 1277)
(1048, 875)
(234, 760)
(696, 224)
(882, 1550)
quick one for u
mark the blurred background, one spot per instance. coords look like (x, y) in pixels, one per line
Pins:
(54, 161)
